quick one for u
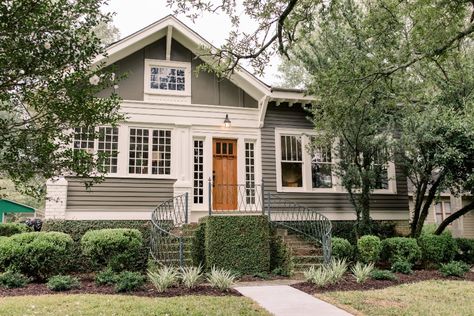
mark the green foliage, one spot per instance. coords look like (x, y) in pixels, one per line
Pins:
(77, 229)
(190, 276)
(377, 274)
(369, 248)
(220, 278)
(398, 249)
(346, 230)
(37, 255)
(164, 277)
(10, 280)
(362, 271)
(436, 249)
(62, 283)
(342, 248)
(465, 250)
(281, 261)
(128, 281)
(238, 243)
(336, 269)
(47, 74)
(319, 276)
(118, 248)
(402, 267)
(106, 277)
(454, 268)
(198, 245)
(8, 229)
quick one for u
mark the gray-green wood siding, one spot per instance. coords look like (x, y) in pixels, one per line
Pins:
(295, 117)
(124, 194)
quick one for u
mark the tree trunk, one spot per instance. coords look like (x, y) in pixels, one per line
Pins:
(451, 218)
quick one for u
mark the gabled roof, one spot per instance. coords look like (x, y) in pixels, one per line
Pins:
(18, 207)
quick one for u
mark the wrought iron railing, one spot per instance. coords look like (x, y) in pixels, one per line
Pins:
(235, 198)
(301, 220)
(167, 238)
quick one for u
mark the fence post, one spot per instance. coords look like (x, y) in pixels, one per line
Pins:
(209, 193)
(186, 205)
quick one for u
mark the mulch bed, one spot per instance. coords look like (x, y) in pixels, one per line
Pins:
(88, 286)
(348, 282)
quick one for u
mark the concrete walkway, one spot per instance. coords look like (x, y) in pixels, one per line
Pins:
(284, 300)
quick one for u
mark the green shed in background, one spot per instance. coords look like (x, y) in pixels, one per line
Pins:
(14, 209)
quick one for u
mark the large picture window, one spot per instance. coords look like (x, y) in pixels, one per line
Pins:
(149, 151)
(291, 161)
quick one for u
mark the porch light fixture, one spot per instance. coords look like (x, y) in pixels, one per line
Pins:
(227, 121)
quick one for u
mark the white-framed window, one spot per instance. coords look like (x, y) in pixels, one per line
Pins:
(198, 171)
(250, 172)
(301, 167)
(107, 143)
(167, 77)
(149, 151)
(442, 211)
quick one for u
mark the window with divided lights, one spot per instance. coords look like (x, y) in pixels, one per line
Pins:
(321, 166)
(381, 172)
(167, 78)
(198, 174)
(291, 161)
(149, 151)
(442, 211)
(106, 143)
(250, 172)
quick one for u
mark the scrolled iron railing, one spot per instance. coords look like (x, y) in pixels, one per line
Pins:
(167, 239)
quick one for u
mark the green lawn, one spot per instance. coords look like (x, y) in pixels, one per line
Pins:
(424, 298)
(127, 305)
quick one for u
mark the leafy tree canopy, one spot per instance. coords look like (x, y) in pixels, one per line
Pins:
(47, 87)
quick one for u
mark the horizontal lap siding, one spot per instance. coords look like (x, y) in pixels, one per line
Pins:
(295, 117)
(123, 194)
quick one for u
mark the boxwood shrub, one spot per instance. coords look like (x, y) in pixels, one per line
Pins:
(345, 229)
(400, 249)
(437, 249)
(77, 229)
(198, 246)
(118, 249)
(281, 260)
(369, 248)
(36, 254)
(9, 229)
(238, 243)
(465, 250)
(342, 248)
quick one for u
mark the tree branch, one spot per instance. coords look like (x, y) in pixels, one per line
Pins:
(451, 218)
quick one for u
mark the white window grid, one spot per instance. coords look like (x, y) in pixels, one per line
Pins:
(108, 144)
(138, 151)
(321, 157)
(198, 173)
(167, 78)
(250, 172)
(161, 152)
(442, 210)
(84, 139)
(291, 148)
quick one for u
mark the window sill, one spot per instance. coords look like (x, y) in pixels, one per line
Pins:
(302, 190)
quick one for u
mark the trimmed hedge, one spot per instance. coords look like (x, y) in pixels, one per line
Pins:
(9, 229)
(77, 229)
(198, 246)
(238, 243)
(116, 248)
(436, 249)
(342, 248)
(465, 250)
(345, 229)
(400, 249)
(36, 254)
(281, 262)
(369, 248)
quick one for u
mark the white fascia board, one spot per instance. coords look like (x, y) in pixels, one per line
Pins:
(292, 96)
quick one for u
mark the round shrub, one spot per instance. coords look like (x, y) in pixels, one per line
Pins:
(436, 249)
(465, 250)
(9, 229)
(62, 283)
(400, 249)
(118, 249)
(402, 267)
(10, 280)
(369, 248)
(36, 254)
(454, 268)
(341, 248)
(128, 281)
(382, 275)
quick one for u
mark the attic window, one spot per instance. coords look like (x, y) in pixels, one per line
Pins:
(167, 77)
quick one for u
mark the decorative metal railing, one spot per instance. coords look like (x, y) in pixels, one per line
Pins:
(169, 219)
(167, 238)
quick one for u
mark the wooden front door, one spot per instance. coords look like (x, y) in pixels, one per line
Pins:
(224, 174)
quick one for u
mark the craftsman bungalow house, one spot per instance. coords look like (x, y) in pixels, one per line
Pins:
(182, 129)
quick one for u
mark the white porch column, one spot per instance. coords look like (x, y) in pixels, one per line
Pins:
(56, 198)
(183, 155)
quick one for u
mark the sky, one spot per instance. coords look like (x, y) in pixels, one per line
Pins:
(132, 15)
